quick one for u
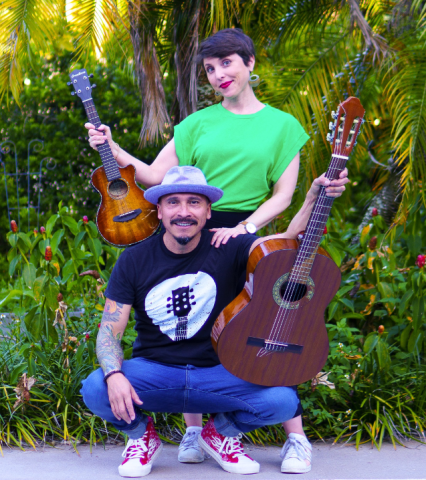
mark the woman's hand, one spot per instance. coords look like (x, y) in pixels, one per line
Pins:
(334, 188)
(222, 235)
(97, 138)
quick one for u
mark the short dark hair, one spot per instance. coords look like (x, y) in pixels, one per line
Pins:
(227, 42)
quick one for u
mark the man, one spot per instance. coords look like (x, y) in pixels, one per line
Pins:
(178, 283)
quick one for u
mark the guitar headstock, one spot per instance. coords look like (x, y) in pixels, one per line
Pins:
(346, 126)
(81, 83)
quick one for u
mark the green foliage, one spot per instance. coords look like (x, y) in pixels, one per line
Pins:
(375, 326)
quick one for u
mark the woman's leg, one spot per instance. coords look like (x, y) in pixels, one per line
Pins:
(193, 419)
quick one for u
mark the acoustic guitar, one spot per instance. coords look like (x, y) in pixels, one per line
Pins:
(273, 333)
(124, 217)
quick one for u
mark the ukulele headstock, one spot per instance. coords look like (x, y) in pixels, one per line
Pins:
(346, 126)
(81, 83)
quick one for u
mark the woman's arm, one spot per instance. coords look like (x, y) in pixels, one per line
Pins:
(280, 200)
(148, 175)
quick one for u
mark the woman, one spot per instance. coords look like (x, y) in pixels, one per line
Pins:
(246, 148)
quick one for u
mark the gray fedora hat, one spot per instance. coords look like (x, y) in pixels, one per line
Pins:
(183, 180)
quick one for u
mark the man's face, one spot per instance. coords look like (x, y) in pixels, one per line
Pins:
(184, 215)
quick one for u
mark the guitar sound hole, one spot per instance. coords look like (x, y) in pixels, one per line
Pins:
(118, 189)
(292, 292)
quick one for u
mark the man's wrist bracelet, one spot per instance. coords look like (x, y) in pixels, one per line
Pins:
(112, 372)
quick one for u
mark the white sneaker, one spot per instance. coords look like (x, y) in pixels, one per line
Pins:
(189, 450)
(227, 451)
(295, 452)
(140, 454)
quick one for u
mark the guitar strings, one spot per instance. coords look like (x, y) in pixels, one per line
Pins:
(284, 314)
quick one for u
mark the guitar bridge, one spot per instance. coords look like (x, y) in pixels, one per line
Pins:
(126, 217)
(274, 346)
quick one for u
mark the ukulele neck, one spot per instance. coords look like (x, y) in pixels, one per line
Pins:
(112, 171)
(316, 225)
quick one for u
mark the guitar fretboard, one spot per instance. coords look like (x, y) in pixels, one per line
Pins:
(110, 164)
(316, 224)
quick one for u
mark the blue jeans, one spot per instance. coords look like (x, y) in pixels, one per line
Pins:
(240, 406)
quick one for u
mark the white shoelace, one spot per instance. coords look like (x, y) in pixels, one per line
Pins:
(232, 446)
(296, 448)
(135, 448)
(189, 440)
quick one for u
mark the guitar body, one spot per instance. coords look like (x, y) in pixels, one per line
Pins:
(238, 332)
(124, 216)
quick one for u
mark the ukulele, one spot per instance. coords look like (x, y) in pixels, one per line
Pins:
(124, 217)
(273, 333)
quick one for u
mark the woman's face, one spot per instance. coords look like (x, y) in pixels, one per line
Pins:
(229, 75)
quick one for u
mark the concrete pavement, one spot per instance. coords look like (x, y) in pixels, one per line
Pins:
(330, 462)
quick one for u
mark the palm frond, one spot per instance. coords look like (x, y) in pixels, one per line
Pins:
(25, 24)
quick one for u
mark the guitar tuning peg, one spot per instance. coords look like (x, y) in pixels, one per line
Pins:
(331, 126)
(69, 83)
(330, 137)
(334, 115)
(91, 75)
(72, 93)
(94, 85)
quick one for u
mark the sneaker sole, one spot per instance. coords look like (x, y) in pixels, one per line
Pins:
(144, 470)
(193, 459)
(228, 467)
(296, 469)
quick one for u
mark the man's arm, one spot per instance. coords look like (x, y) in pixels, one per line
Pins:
(110, 356)
(334, 189)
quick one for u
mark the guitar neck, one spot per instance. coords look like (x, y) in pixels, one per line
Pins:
(316, 225)
(112, 171)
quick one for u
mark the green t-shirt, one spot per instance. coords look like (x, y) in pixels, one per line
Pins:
(244, 155)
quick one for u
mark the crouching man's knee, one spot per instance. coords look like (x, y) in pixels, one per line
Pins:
(95, 392)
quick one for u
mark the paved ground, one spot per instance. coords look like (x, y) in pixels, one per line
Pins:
(331, 462)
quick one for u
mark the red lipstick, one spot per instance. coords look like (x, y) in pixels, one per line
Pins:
(225, 84)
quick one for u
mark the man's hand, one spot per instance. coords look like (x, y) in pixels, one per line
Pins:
(121, 395)
(334, 189)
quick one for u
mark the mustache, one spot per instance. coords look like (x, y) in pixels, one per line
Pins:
(186, 220)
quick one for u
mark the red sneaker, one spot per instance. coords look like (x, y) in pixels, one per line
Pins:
(140, 454)
(227, 451)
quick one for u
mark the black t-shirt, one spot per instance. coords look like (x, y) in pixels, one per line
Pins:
(177, 297)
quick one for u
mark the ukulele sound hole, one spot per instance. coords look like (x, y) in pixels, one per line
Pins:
(291, 295)
(118, 189)
(291, 291)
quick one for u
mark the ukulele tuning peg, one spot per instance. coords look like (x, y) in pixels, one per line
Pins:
(331, 126)
(94, 85)
(334, 115)
(72, 93)
(69, 83)
(330, 137)
(91, 75)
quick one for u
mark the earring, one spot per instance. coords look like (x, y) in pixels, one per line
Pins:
(218, 94)
(254, 80)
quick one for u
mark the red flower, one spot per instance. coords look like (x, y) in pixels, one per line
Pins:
(87, 336)
(374, 212)
(85, 219)
(13, 226)
(48, 253)
(421, 260)
(42, 230)
(99, 325)
(373, 243)
(325, 230)
(59, 297)
(381, 329)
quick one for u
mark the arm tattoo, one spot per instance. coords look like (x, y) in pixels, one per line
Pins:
(112, 311)
(108, 347)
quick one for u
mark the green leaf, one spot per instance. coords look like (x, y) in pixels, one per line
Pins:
(12, 295)
(36, 240)
(334, 254)
(29, 317)
(56, 240)
(16, 372)
(79, 238)
(68, 268)
(79, 353)
(38, 287)
(29, 274)
(13, 238)
(25, 240)
(370, 342)
(93, 229)
(80, 255)
(418, 306)
(405, 335)
(414, 341)
(348, 303)
(383, 355)
(42, 246)
(50, 224)
(70, 223)
(13, 264)
(51, 294)
(344, 290)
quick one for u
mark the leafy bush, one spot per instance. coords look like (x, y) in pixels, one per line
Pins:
(373, 384)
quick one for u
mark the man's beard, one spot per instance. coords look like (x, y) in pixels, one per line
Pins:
(183, 240)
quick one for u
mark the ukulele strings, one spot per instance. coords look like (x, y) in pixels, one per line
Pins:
(104, 150)
(285, 318)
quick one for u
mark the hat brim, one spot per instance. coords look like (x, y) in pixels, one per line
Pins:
(154, 193)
